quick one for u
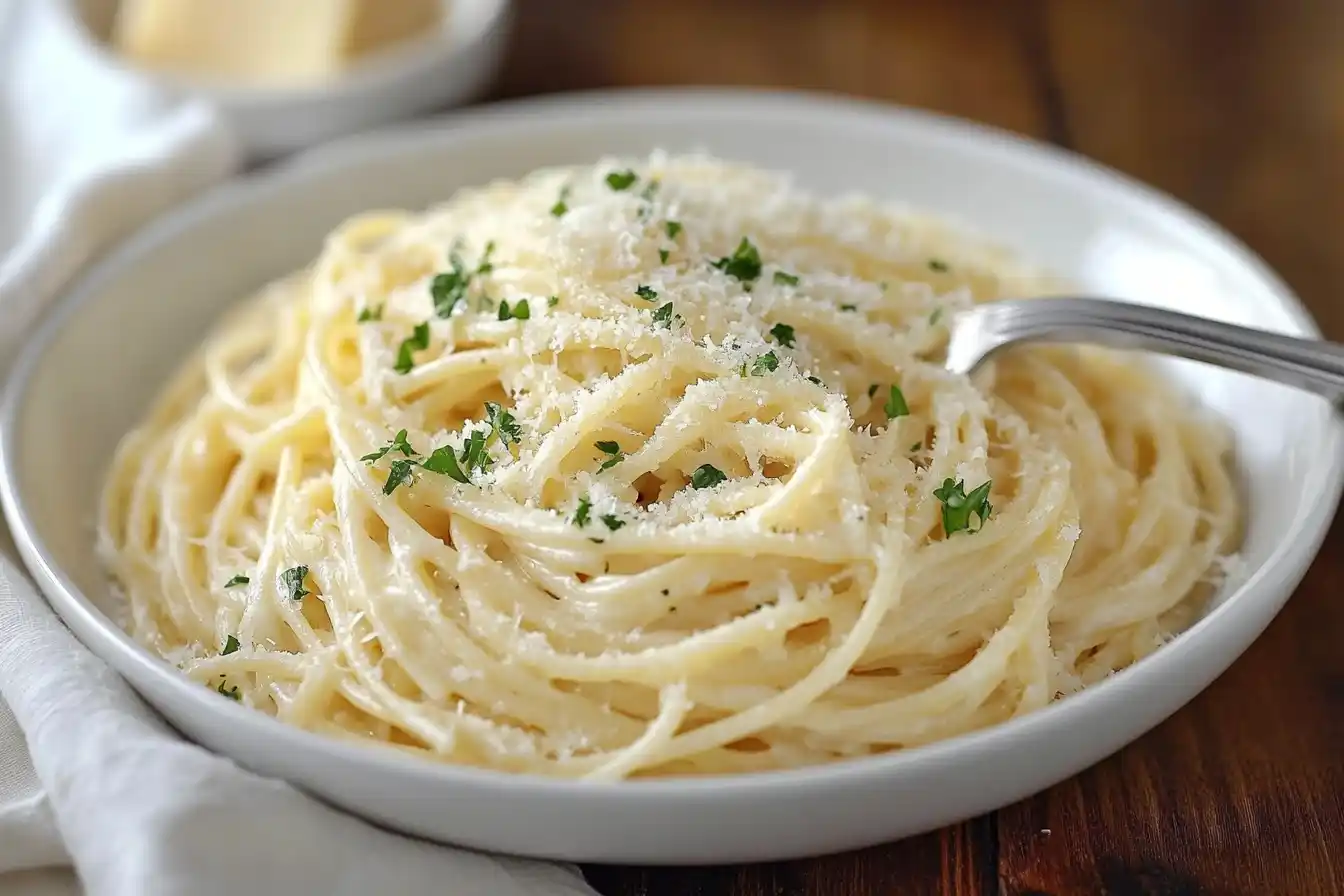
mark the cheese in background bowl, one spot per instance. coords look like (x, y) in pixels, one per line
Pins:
(288, 74)
(263, 42)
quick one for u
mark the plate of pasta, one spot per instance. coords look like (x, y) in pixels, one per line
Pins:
(580, 477)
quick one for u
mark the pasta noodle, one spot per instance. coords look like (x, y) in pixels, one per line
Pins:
(653, 469)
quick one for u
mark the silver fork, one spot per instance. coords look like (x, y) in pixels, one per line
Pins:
(979, 332)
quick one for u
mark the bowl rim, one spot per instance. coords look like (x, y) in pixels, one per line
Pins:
(1291, 556)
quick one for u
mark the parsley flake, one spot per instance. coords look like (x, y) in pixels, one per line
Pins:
(291, 582)
(613, 452)
(417, 341)
(938, 265)
(444, 461)
(958, 506)
(872, 390)
(552, 301)
(561, 204)
(783, 278)
(766, 363)
(646, 293)
(813, 379)
(370, 313)
(896, 406)
(849, 307)
(783, 334)
(399, 472)
(707, 476)
(503, 424)
(398, 443)
(744, 264)
(231, 645)
(231, 693)
(936, 316)
(612, 522)
(662, 255)
(621, 180)
(580, 518)
(663, 316)
(917, 446)
(672, 228)
(237, 580)
(520, 311)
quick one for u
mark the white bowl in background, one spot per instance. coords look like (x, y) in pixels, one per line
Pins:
(89, 373)
(449, 66)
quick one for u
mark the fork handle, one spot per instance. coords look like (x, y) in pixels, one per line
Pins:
(1311, 364)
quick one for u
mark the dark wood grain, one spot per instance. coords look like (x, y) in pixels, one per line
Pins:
(1235, 106)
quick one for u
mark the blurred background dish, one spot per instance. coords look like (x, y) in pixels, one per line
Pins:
(290, 76)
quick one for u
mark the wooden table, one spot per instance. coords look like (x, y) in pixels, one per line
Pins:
(1234, 106)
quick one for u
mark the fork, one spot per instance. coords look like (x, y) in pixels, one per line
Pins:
(979, 332)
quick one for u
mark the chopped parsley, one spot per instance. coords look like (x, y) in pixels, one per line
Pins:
(813, 379)
(291, 582)
(707, 476)
(646, 293)
(561, 204)
(444, 461)
(612, 522)
(744, 264)
(672, 228)
(622, 180)
(451, 286)
(231, 645)
(399, 472)
(237, 580)
(662, 255)
(398, 443)
(783, 278)
(938, 265)
(896, 406)
(783, 334)
(503, 424)
(872, 390)
(663, 316)
(520, 311)
(766, 363)
(613, 452)
(917, 446)
(936, 316)
(649, 190)
(370, 313)
(417, 341)
(580, 517)
(849, 307)
(958, 507)
(231, 693)
(474, 455)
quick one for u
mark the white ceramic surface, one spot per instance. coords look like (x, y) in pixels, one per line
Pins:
(91, 370)
(450, 66)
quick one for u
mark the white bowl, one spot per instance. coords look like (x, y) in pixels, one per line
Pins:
(89, 373)
(452, 65)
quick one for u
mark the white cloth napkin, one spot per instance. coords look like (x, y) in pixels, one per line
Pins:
(88, 152)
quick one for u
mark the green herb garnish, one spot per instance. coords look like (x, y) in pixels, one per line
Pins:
(444, 461)
(552, 301)
(503, 424)
(936, 316)
(958, 507)
(783, 334)
(646, 293)
(417, 341)
(662, 255)
(580, 518)
(663, 316)
(872, 390)
(744, 263)
(231, 645)
(785, 279)
(520, 311)
(813, 379)
(370, 313)
(399, 472)
(613, 452)
(291, 582)
(896, 406)
(398, 443)
(766, 363)
(936, 264)
(612, 522)
(917, 446)
(561, 203)
(237, 580)
(231, 693)
(849, 307)
(621, 180)
(672, 228)
(707, 476)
